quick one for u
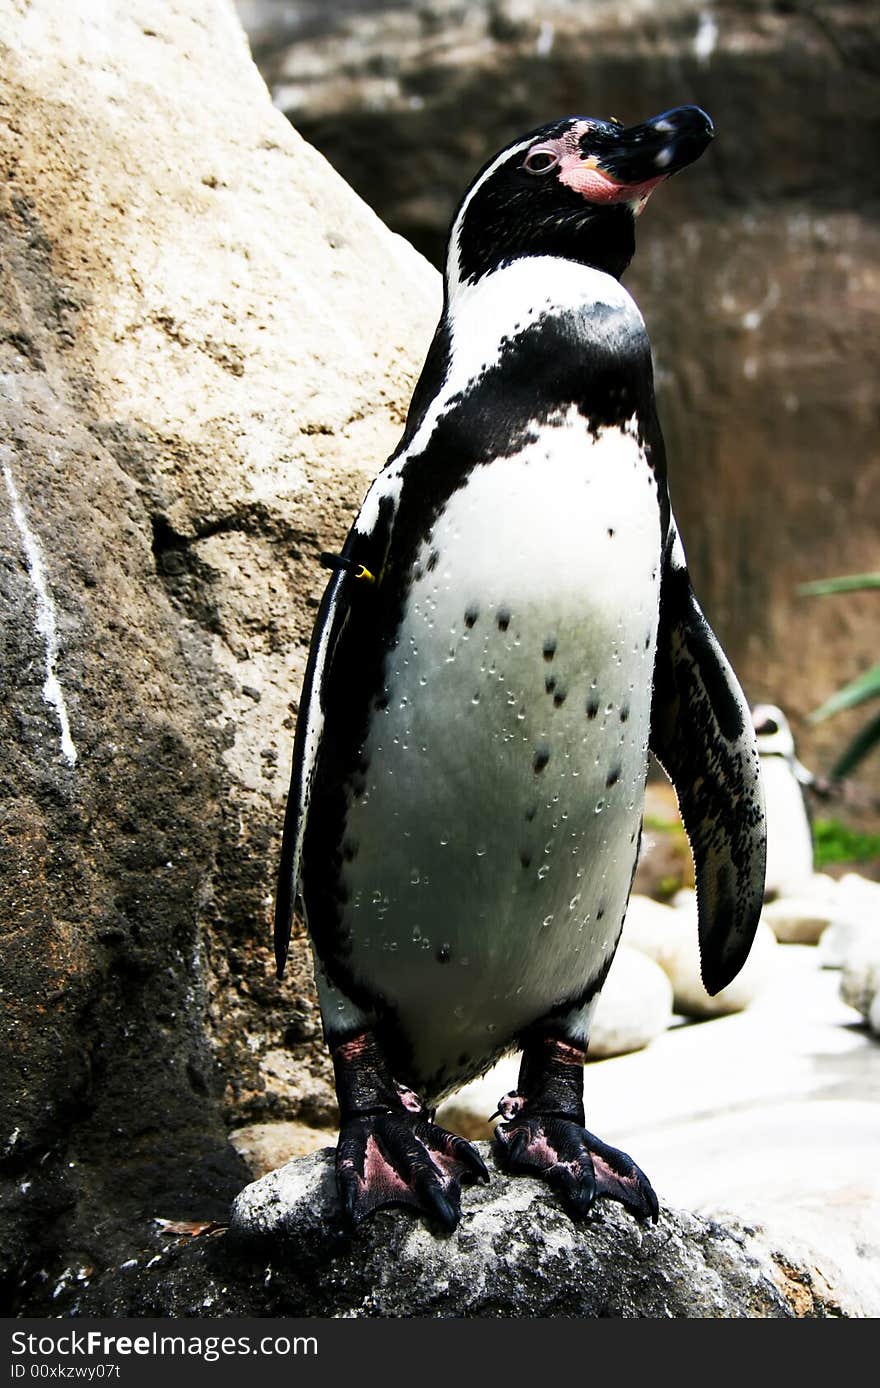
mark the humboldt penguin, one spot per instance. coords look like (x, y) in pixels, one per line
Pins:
(785, 780)
(509, 627)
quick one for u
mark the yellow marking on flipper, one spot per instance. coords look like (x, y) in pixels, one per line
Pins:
(337, 561)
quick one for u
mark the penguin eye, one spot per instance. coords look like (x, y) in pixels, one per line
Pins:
(540, 160)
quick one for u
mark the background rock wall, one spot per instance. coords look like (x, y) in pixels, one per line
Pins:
(757, 272)
(207, 343)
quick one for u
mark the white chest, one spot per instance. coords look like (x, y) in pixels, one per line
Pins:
(497, 833)
(789, 837)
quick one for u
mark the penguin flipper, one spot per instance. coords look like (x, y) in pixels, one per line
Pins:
(703, 737)
(356, 572)
(329, 623)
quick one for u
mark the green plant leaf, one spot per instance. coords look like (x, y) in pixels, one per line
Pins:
(866, 686)
(864, 741)
(849, 583)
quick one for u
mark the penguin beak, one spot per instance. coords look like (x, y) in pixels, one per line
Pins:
(629, 163)
(658, 147)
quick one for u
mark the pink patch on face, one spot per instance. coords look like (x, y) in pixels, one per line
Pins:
(594, 185)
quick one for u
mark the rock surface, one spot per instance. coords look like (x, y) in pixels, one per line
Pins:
(756, 274)
(771, 1116)
(265, 1146)
(515, 1253)
(772, 1113)
(207, 345)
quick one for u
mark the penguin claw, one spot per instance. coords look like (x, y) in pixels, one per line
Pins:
(403, 1159)
(576, 1163)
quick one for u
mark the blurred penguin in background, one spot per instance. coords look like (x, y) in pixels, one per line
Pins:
(789, 834)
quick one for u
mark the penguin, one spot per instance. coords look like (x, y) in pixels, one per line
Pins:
(508, 629)
(785, 779)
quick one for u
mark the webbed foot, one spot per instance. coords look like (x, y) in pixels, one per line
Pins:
(390, 1152)
(543, 1134)
(575, 1163)
(400, 1158)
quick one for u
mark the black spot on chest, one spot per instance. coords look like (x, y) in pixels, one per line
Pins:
(541, 758)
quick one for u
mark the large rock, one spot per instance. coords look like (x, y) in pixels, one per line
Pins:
(515, 1254)
(755, 274)
(208, 342)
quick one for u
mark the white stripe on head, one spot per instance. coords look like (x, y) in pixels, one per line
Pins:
(453, 261)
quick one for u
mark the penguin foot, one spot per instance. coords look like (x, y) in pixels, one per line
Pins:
(580, 1167)
(542, 1133)
(390, 1152)
(402, 1158)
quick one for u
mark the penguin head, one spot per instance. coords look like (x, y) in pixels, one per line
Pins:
(772, 731)
(573, 189)
(775, 739)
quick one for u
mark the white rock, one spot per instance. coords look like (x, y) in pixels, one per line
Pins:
(691, 998)
(820, 887)
(846, 938)
(858, 898)
(798, 920)
(855, 925)
(685, 899)
(860, 981)
(656, 930)
(669, 936)
(635, 1005)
